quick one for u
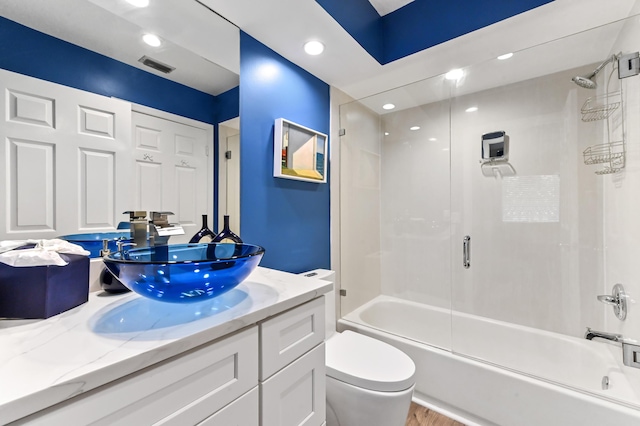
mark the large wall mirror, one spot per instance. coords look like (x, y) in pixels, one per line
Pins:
(197, 49)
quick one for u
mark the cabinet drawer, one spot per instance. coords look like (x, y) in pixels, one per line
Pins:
(241, 412)
(182, 390)
(285, 337)
(295, 396)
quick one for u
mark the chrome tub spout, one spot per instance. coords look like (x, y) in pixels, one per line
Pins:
(590, 334)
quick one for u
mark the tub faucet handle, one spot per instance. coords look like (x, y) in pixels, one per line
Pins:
(617, 299)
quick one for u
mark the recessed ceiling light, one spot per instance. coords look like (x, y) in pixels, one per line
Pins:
(471, 109)
(313, 47)
(386, 133)
(139, 3)
(505, 56)
(432, 139)
(454, 74)
(152, 40)
(414, 128)
(388, 106)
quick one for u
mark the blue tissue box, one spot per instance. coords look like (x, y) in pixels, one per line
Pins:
(43, 291)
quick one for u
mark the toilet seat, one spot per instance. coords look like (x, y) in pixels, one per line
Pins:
(368, 363)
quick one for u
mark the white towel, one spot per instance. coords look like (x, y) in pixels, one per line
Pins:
(45, 252)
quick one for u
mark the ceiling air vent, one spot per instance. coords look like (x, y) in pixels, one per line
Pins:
(150, 62)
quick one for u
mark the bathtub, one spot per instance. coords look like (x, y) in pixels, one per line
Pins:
(562, 381)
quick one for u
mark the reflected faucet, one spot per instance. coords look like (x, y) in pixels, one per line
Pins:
(156, 231)
(590, 334)
(138, 226)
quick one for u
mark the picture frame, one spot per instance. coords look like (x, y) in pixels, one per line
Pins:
(299, 153)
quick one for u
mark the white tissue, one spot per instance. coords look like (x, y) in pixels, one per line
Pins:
(46, 252)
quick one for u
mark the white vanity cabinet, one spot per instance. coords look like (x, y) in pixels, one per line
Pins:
(125, 360)
(292, 367)
(268, 374)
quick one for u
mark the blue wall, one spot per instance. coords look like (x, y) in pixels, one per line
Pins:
(26, 51)
(420, 24)
(290, 219)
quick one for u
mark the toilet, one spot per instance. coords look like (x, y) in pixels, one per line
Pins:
(369, 382)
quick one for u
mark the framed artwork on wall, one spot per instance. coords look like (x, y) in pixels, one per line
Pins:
(299, 153)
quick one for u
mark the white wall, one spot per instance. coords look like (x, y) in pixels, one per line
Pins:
(622, 203)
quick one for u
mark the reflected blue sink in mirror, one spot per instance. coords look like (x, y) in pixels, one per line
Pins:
(184, 273)
(92, 242)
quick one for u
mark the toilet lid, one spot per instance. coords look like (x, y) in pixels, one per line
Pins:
(368, 363)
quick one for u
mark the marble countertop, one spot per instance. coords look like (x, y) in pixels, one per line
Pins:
(44, 362)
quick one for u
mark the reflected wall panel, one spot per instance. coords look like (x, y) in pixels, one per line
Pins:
(97, 192)
(149, 186)
(31, 185)
(187, 192)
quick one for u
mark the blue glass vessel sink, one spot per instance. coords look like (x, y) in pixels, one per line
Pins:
(92, 242)
(184, 273)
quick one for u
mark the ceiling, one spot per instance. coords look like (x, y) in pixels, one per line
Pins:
(203, 45)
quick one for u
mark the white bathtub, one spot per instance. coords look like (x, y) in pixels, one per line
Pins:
(562, 384)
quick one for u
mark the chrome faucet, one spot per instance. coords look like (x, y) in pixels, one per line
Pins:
(160, 229)
(630, 347)
(590, 334)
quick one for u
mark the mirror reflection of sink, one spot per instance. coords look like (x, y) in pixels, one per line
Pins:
(184, 273)
(92, 242)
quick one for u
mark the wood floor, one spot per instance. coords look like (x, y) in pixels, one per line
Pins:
(422, 416)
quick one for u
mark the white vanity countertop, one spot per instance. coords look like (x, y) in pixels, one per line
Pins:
(45, 362)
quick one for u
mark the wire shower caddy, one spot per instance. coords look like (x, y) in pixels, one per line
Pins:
(602, 107)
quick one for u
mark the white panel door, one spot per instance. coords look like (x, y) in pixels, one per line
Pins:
(66, 157)
(172, 169)
(229, 174)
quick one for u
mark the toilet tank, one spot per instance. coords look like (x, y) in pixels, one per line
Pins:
(330, 298)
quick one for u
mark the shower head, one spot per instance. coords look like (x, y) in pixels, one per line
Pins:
(584, 82)
(587, 82)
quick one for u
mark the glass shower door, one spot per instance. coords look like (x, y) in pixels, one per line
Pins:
(537, 216)
(395, 218)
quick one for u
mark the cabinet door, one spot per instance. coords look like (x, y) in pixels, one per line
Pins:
(295, 396)
(66, 158)
(285, 337)
(172, 171)
(241, 412)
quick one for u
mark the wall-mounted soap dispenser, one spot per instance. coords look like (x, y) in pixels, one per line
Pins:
(495, 146)
(494, 161)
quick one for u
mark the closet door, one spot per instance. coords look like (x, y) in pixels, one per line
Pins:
(173, 169)
(66, 158)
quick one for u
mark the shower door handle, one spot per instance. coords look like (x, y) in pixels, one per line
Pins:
(466, 252)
